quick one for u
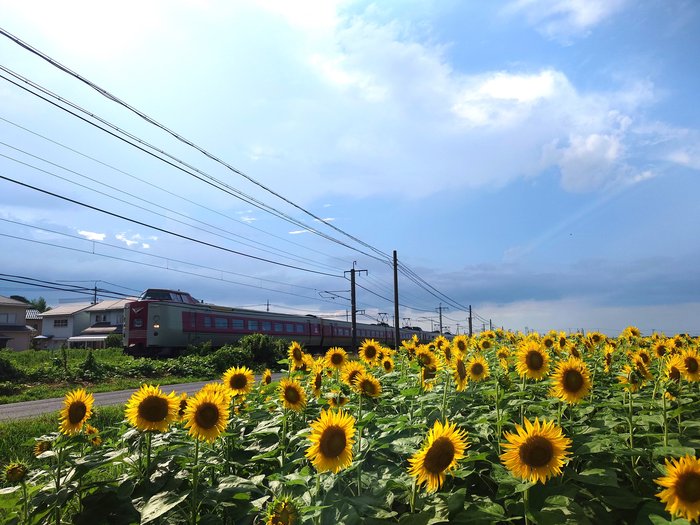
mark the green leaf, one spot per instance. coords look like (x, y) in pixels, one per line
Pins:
(160, 504)
(597, 476)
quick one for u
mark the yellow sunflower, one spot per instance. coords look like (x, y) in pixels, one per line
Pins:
(206, 415)
(292, 394)
(571, 381)
(352, 371)
(150, 409)
(548, 342)
(336, 399)
(661, 348)
(388, 364)
(16, 472)
(460, 344)
(77, 409)
(532, 361)
(295, 354)
(41, 446)
(93, 435)
(485, 343)
(459, 372)
(369, 351)
(316, 381)
(608, 352)
(443, 447)
(182, 405)
(674, 368)
(426, 358)
(283, 510)
(630, 379)
(537, 452)
(682, 487)
(266, 377)
(477, 368)
(239, 379)
(220, 389)
(562, 342)
(336, 358)
(332, 437)
(691, 365)
(368, 385)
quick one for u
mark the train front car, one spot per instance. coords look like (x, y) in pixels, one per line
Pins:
(153, 324)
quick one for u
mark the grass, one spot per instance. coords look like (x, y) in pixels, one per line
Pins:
(17, 438)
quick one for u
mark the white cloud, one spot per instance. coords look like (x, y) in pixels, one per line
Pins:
(133, 240)
(563, 19)
(92, 236)
(588, 161)
(248, 220)
(298, 232)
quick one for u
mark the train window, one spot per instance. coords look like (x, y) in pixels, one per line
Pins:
(278, 327)
(252, 324)
(266, 326)
(221, 322)
(207, 321)
(289, 328)
(237, 324)
(300, 328)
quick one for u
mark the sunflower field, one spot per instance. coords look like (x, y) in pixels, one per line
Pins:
(498, 428)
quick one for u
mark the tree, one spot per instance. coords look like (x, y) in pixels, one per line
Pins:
(39, 304)
(20, 298)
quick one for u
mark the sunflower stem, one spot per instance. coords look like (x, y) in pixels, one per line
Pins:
(25, 503)
(283, 443)
(663, 401)
(679, 402)
(195, 480)
(359, 444)
(59, 460)
(629, 419)
(522, 401)
(525, 505)
(414, 493)
(318, 497)
(446, 385)
(498, 415)
(148, 452)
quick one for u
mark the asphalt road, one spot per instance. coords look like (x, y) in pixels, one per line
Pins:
(42, 406)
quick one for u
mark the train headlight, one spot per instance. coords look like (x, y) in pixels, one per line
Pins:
(156, 326)
(156, 322)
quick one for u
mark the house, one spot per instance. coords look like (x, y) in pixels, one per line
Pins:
(14, 332)
(63, 322)
(35, 319)
(106, 318)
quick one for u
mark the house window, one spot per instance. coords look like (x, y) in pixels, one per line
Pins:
(60, 323)
(8, 318)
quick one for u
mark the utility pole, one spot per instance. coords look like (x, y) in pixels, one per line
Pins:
(268, 306)
(490, 325)
(440, 309)
(94, 297)
(458, 327)
(353, 303)
(397, 333)
(470, 321)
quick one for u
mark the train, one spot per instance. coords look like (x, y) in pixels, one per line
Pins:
(163, 322)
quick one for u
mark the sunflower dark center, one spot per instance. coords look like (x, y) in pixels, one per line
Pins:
(268, 379)
(462, 346)
(368, 387)
(153, 409)
(477, 369)
(238, 381)
(291, 394)
(284, 516)
(461, 370)
(332, 442)
(674, 374)
(352, 376)
(76, 412)
(536, 452)
(661, 350)
(688, 487)
(318, 381)
(644, 357)
(548, 343)
(207, 415)
(534, 360)
(575, 352)
(387, 366)
(572, 381)
(691, 364)
(337, 358)
(429, 372)
(596, 339)
(439, 455)
(370, 352)
(183, 407)
(486, 345)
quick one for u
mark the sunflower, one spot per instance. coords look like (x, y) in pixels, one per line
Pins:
(388, 364)
(548, 342)
(77, 409)
(674, 368)
(295, 354)
(485, 343)
(441, 342)
(316, 381)
(352, 371)
(661, 348)
(182, 406)
(574, 351)
(596, 338)
(150, 409)
(16, 472)
(459, 372)
(292, 394)
(336, 399)
(532, 361)
(239, 379)
(630, 332)
(537, 452)
(336, 358)
(427, 375)
(643, 355)
(503, 354)
(426, 358)
(93, 435)
(477, 368)
(331, 441)
(266, 378)
(283, 510)
(691, 365)
(368, 385)
(443, 447)
(682, 487)
(460, 344)
(571, 380)
(562, 342)
(41, 446)
(369, 351)
(630, 379)
(219, 389)
(642, 367)
(207, 414)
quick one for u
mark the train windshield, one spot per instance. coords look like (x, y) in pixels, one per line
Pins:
(167, 295)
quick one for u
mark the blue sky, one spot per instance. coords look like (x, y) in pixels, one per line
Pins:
(536, 159)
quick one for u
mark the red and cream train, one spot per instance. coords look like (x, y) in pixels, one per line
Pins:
(162, 322)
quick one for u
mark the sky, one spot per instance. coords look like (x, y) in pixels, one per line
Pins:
(537, 160)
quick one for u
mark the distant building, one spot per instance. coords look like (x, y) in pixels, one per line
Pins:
(106, 318)
(14, 332)
(63, 322)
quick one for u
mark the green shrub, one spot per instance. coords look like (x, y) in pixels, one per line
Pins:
(265, 350)
(9, 388)
(114, 341)
(228, 356)
(8, 370)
